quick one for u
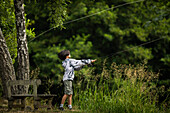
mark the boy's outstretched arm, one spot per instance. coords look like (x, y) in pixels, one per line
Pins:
(93, 60)
(78, 64)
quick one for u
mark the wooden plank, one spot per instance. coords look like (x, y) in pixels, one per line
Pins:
(35, 87)
(24, 82)
(9, 90)
(46, 95)
(22, 95)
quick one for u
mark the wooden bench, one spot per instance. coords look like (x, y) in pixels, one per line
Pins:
(37, 97)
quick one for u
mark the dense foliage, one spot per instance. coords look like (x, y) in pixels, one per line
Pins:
(103, 34)
(113, 34)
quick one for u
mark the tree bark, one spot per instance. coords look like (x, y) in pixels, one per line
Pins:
(7, 71)
(23, 56)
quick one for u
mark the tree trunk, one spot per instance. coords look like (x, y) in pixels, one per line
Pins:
(23, 56)
(7, 71)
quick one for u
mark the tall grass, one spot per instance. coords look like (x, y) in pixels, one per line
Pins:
(118, 89)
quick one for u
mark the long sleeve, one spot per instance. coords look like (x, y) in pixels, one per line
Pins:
(78, 64)
(70, 65)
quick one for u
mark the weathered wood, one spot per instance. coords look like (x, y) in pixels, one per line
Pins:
(37, 97)
(12, 97)
(35, 84)
(9, 91)
(32, 95)
(22, 95)
(24, 82)
(46, 95)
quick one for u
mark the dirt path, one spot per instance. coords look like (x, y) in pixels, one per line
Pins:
(5, 110)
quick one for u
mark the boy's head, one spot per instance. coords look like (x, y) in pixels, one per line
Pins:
(63, 54)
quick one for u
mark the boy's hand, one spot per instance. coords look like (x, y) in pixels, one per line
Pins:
(93, 60)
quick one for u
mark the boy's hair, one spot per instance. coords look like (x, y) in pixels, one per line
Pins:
(62, 55)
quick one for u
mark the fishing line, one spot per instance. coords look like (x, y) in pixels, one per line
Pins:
(87, 17)
(99, 59)
(113, 54)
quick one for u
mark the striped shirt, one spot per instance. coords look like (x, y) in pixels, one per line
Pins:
(70, 65)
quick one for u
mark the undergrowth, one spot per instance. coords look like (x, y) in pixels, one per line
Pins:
(118, 89)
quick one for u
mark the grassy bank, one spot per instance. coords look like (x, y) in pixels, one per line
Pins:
(119, 89)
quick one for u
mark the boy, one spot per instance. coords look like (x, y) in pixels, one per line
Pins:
(70, 65)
